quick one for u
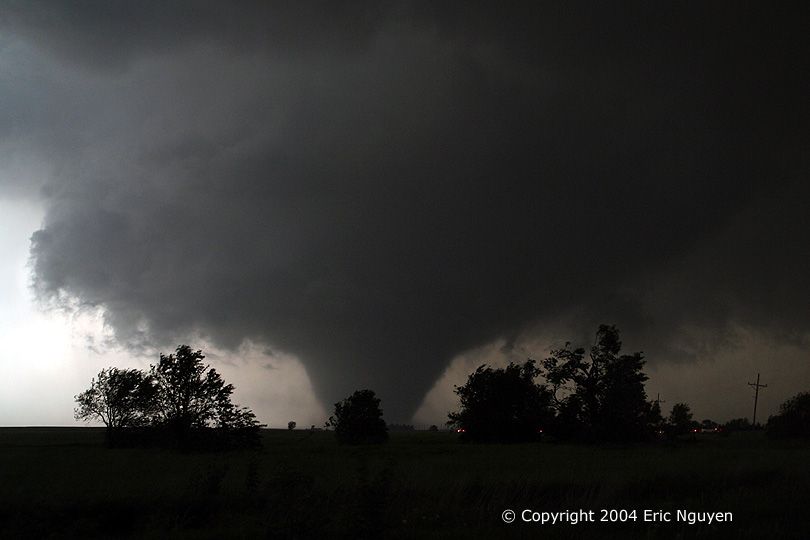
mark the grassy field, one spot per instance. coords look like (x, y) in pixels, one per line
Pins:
(62, 482)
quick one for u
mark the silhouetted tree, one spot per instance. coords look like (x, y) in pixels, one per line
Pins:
(291, 425)
(358, 419)
(119, 398)
(680, 419)
(192, 395)
(504, 405)
(738, 424)
(793, 418)
(708, 425)
(601, 395)
(237, 426)
(655, 420)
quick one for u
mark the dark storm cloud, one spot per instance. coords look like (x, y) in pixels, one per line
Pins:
(376, 190)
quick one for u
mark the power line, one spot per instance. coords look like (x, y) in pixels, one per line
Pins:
(756, 387)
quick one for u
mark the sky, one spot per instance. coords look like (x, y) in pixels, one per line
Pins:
(333, 197)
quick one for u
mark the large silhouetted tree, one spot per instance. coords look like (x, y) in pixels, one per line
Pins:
(358, 419)
(192, 395)
(503, 405)
(655, 419)
(599, 395)
(119, 398)
(680, 419)
(793, 418)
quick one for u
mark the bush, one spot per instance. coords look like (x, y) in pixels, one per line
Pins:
(400, 427)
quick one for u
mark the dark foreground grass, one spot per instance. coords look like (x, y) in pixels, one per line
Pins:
(57, 483)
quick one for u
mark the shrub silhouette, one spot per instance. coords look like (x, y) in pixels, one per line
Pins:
(400, 427)
(358, 419)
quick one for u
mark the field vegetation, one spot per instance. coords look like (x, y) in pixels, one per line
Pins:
(64, 483)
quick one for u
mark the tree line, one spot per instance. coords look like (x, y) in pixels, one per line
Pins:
(574, 394)
(588, 395)
(598, 396)
(594, 395)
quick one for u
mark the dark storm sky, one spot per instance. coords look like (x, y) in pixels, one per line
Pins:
(378, 188)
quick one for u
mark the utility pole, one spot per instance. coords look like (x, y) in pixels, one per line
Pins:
(658, 402)
(756, 386)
